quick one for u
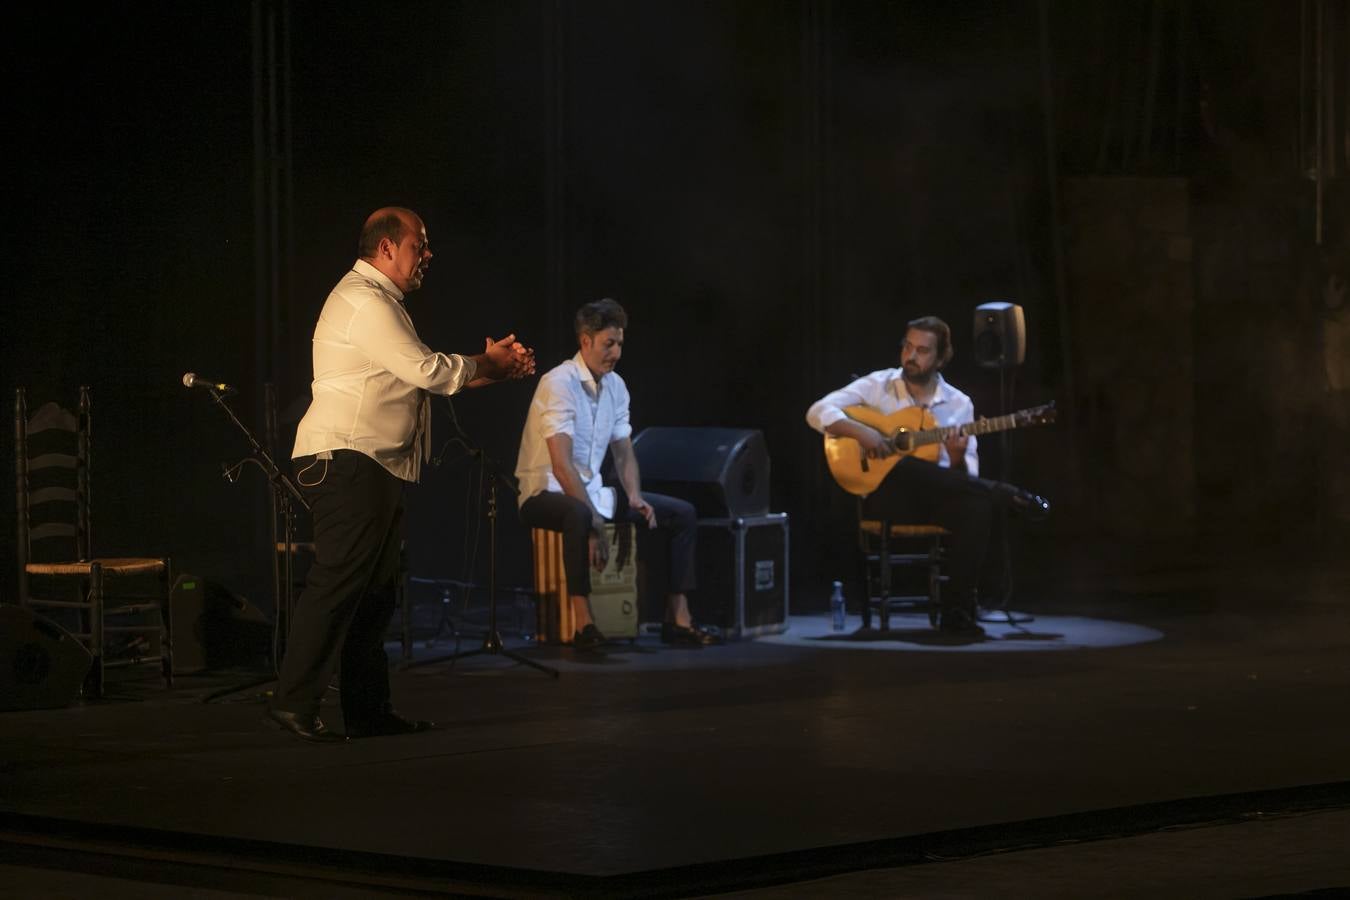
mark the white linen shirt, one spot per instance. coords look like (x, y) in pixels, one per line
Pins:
(886, 392)
(568, 401)
(370, 374)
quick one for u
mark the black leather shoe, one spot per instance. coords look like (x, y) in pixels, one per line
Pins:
(304, 726)
(960, 623)
(693, 636)
(588, 638)
(1032, 507)
(387, 724)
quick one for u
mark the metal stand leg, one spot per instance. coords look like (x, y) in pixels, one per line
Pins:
(492, 641)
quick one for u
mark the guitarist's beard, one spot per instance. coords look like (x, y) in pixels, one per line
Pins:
(916, 376)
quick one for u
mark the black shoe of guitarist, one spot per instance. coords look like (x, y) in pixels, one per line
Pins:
(1032, 507)
(960, 623)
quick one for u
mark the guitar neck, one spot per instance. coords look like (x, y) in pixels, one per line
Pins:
(981, 426)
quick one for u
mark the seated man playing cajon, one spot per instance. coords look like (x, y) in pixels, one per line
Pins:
(580, 410)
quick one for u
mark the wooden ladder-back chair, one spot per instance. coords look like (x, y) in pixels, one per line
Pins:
(888, 550)
(52, 463)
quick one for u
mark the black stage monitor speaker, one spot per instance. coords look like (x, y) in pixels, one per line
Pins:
(214, 628)
(41, 665)
(1000, 335)
(724, 472)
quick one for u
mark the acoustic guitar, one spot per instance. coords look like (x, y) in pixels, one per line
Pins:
(909, 432)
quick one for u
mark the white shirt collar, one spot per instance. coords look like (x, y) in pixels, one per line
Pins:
(364, 268)
(584, 372)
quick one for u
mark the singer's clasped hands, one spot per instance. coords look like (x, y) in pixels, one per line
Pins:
(508, 358)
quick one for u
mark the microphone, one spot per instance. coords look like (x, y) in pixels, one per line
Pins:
(193, 380)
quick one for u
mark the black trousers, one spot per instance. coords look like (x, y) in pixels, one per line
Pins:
(675, 522)
(350, 594)
(917, 491)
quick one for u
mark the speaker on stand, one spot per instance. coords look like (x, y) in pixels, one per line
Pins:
(1000, 342)
(1000, 335)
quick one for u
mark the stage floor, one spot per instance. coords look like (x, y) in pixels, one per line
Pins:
(717, 766)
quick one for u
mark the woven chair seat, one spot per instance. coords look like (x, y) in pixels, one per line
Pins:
(111, 566)
(871, 526)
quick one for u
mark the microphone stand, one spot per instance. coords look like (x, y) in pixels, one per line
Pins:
(284, 497)
(496, 474)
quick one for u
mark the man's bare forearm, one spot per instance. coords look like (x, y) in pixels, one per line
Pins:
(626, 467)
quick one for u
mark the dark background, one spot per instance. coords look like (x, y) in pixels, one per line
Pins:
(771, 190)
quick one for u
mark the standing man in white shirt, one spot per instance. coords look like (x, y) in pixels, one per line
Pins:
(580, 411)
(947, 493)
(366, 433)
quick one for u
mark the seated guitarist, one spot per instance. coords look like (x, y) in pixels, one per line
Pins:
(947, 493)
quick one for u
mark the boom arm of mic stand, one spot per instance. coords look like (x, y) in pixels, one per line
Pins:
(280, 482)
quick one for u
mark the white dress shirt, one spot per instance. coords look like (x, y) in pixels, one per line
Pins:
(569, 401)
(370, 374)
(886, 392)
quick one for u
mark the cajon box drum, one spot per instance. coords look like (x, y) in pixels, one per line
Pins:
(614, 605)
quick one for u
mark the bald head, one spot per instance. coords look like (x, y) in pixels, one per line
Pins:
(392, 222)
(394, 240)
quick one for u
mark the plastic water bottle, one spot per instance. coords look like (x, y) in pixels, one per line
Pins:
(837, 613)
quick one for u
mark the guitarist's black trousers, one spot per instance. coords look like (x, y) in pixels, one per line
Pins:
(919, 492)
